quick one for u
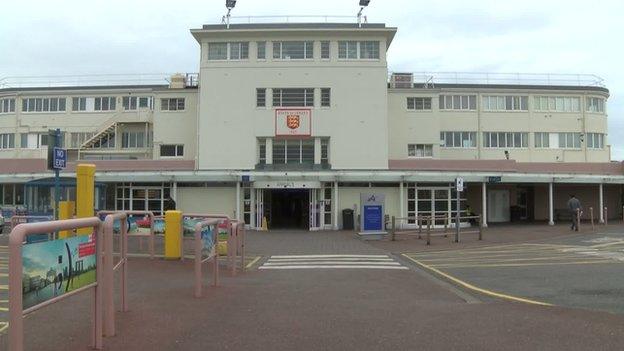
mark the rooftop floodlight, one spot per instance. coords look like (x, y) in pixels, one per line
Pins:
(363, 4)
(230, 4)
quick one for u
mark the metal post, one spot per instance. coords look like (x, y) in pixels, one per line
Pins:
(550, 204)
(457, 217)
(605, 216)
(601, 201)
(591, 217)
(429, 231)
(578, 219)
(480, 228)
(393, 230)
(484, 204)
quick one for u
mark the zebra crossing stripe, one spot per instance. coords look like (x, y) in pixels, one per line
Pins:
(329, 256)
(333, 267)
(297, 263)
(331, 262)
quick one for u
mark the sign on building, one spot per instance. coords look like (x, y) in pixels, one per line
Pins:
(372, 210)
(293, 122)
(459, 184)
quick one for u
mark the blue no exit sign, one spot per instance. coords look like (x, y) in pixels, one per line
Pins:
(60, 158)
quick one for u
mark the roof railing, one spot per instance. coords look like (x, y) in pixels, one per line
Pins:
(430, 79)
(292, 19)
(191, 80)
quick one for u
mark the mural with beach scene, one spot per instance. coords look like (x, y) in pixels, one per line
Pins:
(53, 268)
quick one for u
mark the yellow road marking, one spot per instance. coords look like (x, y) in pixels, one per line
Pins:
(501, 258)
(524, 264)
(4, 301)
(253, 262)
(474, 252)
(475, 288)
(3, 326)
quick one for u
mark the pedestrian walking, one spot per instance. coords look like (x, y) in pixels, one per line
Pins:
(169, 204)
(574, 205)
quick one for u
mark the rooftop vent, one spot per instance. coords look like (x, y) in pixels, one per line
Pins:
(178, 81)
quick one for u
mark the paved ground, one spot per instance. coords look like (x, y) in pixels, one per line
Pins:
(338, 308)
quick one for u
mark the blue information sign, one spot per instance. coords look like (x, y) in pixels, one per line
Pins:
(60, 158)
(373, 218)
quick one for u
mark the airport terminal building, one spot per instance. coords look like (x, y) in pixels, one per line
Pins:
(291, 122)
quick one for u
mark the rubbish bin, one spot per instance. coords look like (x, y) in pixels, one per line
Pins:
(347, 219)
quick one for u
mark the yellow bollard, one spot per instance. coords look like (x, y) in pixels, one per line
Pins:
(85, 194)
(66, 211)
(173, 235)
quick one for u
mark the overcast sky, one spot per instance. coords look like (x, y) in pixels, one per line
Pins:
(151, 36)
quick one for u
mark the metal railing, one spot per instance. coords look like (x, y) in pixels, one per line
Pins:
(191, 79)
(429, 222)
(291, 19)
(430, 79)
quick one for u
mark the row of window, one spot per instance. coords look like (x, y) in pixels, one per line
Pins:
(292, 97)
(294, 50)
(90, 104)
(507, 103)
(38, 140)
(293, 151)
(517, 140)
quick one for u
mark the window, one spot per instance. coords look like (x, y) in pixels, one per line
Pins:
(595, 140)
(542, 140)
(261, 97)
(293, 151)
(106, 141)
(106, 103)
(130, 140)
(261, 50)
(325, 151)
(458, 139)
(358, 50)
(217, 51)
(419, 150)
(79, 104)
(325, 97)
(506, 103)
(7, 141)
(7, 105)
(419, 103)
(325, 50)
(171, 150)
(239, 51)
(557, 104)
(458, 102)
(12, 194)
(228, 51)
(595, 105)
(570, 140)
(298, 97)
(262, 151)
(36, 140)
(505, 140)
(78, 139)
(172, 104)
(43, 104)
(293, 50)
(129, 103)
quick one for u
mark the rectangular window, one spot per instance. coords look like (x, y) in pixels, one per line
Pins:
(129, 103)
(261, 97)
(262, 151)
(106, 103)
(325, 151)
(130, 140)
(419, 103)
(7, 141)
(505, 140)
(43, 104)
(293, 151)
(570, 140)
(293, 50)
(293, 97)
(172, 104)
(325, 54)
(7, 105)
(261, 50)
(458, 102)
(595, 104)
(239, 51)
(171, 150)
(542, 140)
(557, 103)
(217, 51)
(79, 104)
(506, 103)
(595, 140)
(358, 50)
(419, 150)
(458, 139)
(325, 97)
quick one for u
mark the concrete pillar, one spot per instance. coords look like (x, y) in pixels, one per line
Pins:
(238, 200)
(317, 151)
(252, 217)
(601, 201)
(269, 150)
(335, 207)
(484, 203)
(174, 191)
(550, 204)
(402, 200)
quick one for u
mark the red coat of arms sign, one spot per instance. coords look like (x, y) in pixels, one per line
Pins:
(293, 122)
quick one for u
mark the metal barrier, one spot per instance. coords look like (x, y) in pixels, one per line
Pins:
(151, 235)
(110, 267)
(606, 216)
(16, 307)
(16, 220)
(232, 237)
(213, 253)
(239, 230)
(591, 218)
(578, 219)
(430, 221)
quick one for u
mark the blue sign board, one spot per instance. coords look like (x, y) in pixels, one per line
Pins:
(373, 218)
(60, 158)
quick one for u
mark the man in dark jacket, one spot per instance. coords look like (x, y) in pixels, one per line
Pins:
(574, 205)
(169, 204)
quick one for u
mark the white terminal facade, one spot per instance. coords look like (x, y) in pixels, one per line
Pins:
(291, 122)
